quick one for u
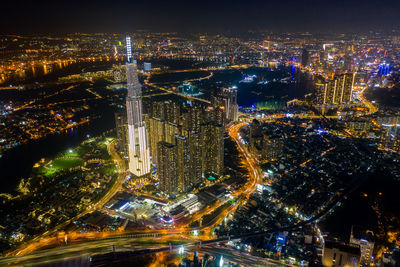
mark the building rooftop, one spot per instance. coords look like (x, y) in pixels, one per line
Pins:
(352, 249)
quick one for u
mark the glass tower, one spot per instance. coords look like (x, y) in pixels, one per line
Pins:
(138, 149)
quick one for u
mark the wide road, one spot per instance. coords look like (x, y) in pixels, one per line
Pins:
(78, 249)
(154, 242)
(371, 107)
(243, 258)
(242, 195)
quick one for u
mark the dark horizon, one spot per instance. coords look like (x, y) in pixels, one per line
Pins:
(119, 16)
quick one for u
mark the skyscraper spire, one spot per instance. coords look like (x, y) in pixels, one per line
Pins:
(128, 49)
(139, 153)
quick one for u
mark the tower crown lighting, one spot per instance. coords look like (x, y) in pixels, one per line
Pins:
(128, 49)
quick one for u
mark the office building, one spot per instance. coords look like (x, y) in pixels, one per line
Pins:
(183, 162)
(195, 166)
(366, 240)
(215, 114)
(167, 110)
(147, 67)
(256, 137)
(138, 150)
(348, 63)
(340, 254)
(160, 130)
(196, 130)
(156, 135)
(167, 168)
(335, 91)
(193, 118)
(305, 58)
(212, 139)
(121, 126)
(231, 105)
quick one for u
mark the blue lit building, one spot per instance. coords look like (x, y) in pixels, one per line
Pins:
(188, 89)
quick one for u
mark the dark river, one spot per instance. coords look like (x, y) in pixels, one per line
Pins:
(17, 163)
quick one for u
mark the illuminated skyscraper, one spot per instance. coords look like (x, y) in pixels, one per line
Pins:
(212, 138)
(195, 151)
(122, 131)
(345, 86)
(183, 162)
(167, 168)
(336, 91)
(197, 133)
(139, 155)
(234, 107)
(156, 128)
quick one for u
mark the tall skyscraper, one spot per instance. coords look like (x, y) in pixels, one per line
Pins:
(156, 128)
(226, 101)
(305, 58)
(335, 91)
(122, 131)
(197, 133)
(212, 138)
(182, 162)
(167, 168)
(256, 137)
(345, 87)
(139, 155)
(194, 139)
(233, 110)
(193, 118)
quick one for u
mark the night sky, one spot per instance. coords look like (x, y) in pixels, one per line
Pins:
(62, 16)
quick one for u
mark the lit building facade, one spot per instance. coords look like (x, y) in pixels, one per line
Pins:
(212, 136)
(122, 130)
(197, 133)
(138, 150)
(272, 147)
(167, 168)
(365, 239)
(340, 254)
(336, 91)
(183, 162)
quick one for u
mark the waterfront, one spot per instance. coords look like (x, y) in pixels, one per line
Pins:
(17, 163)
(389, 97)
(269, 84)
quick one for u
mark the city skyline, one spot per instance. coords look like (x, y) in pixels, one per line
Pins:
(214, 143)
